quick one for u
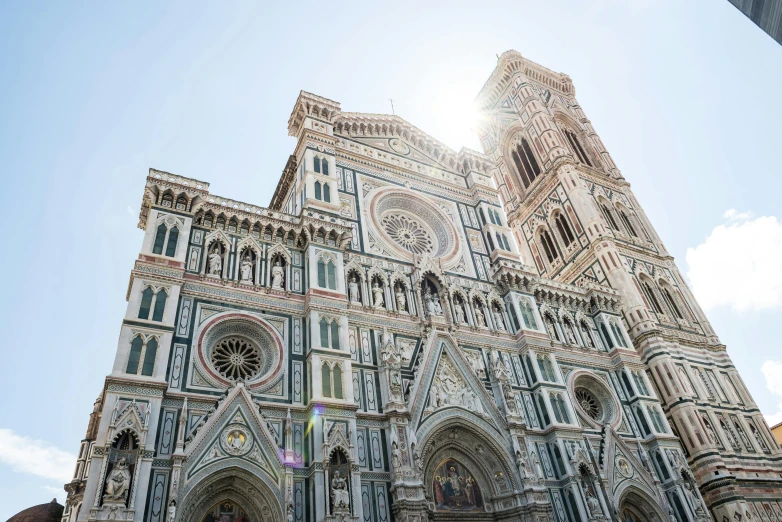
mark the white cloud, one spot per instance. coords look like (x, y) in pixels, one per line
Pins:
(36, 457)
(773, 373)
(739, 265)
(59, 493)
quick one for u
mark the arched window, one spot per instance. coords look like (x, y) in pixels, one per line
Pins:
(564, 229)
(168, 200)
(160, 305)
(642, 421)
(618, 334)
(507, 245)
(499, 241)
(607, 337)
(326, 192)
(149, 357)
(528, 362)
(560, 411)
(671, 302)
(146, 303)
(135, 355)
(546, 370)
(527, 314)
(626, 382)
(331, 272)
(626, 222)
(160, 239)
(662, 468)
(335, 336)
(656, 420)
(325, 167)
(321, 273)
(337, 380)
(651, 297)
(575, 144)
(609, 216)
(173, 237)
(324, 333)
(325, 375)
(181, 203)
(639, 382)
(497, 217)
(482, 216)
(545, 419)
(491, 243)
(318, 190)
(548, 246)
(526, 164)
(316, 164)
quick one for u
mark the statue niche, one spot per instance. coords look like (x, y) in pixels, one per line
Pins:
(122, 464)
(248, 262)
(454, 488)
(277, 272)
(339, 482)
(431, 298)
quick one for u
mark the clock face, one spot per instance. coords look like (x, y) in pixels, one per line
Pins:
(399, 146)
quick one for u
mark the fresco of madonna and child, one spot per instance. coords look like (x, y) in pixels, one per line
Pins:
(455, 489)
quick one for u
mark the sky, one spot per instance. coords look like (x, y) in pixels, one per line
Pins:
(685, 95)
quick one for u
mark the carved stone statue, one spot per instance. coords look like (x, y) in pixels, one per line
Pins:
(171, 511)
(571, 338)
(339, 492)
(434, 396)
(587, 338)
(595, 510)
(538, 467)
(118, 482)
(523, 465)
(551, 331)
(401, 300)
(355, 296)
(246, 269)
(460, 318)
(396, 460)
(479, 318)
(377, 295)
(278, 276)
(215, 263)
(429, 303)
(291, 512)
(438, 309)
(499, 321)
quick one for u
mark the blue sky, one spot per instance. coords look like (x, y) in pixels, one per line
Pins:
(685, 95)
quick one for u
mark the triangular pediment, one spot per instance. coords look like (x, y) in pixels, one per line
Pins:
(621, 465)
(234, 432)
(446, 381)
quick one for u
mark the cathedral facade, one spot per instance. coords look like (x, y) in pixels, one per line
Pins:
(411, 334)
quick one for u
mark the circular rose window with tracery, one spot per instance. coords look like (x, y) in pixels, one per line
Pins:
(594, 399)
(238, 347)
(587, 402)
(408, 234)
(237, 358)
(410, 224)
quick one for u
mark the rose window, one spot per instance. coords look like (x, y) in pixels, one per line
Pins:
(236, 358)
(589, 403)
(408, 234)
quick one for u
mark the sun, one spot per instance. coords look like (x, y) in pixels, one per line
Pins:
(456, 116)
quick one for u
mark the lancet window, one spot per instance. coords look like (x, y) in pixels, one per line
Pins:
(548, 246)
(525, 162)
(331, 380)
(327, 273)
(575, 144)
(564, 229)
(141, 360)
(152, 302)
(329, 333)
(166, 240)
(546, 369)
(560, 410)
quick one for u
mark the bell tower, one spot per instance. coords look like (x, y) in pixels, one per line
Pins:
(577, 222)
